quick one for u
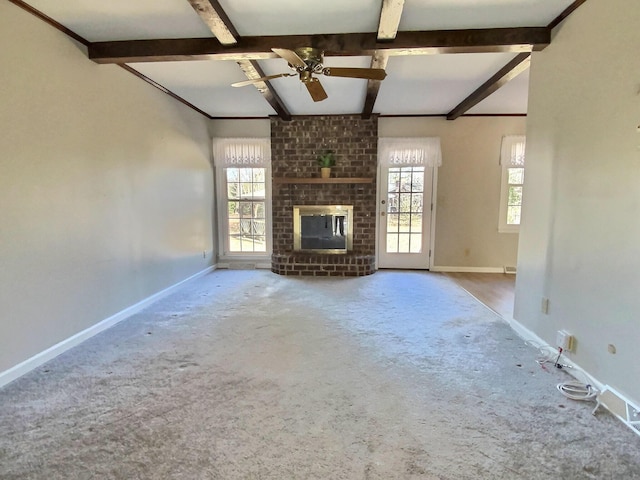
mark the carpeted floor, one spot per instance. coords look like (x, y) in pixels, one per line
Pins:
(250, 375)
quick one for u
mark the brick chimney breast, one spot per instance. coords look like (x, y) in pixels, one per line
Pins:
(295, 145)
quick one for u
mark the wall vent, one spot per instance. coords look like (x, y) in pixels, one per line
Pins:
(620, 407)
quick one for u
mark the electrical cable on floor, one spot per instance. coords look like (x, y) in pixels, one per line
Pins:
(576, 390)
(547, 354)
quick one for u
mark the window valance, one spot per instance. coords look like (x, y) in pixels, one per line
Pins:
(409, 152)
(512, 150)
(242, 152)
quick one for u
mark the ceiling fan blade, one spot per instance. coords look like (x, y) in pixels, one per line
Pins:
(316, 90)
(290, 56)
(367, 73)
(261, 79)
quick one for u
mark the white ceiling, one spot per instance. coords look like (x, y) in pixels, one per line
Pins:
(415, 85)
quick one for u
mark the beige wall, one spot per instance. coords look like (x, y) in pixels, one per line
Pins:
(260, 128)
(580, 234)
(468, 188)
(105, 189)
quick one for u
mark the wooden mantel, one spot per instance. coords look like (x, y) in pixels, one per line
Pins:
(282, 180)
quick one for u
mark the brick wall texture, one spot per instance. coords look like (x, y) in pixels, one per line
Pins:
(295, 146)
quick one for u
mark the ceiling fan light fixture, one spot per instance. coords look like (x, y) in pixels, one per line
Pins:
(306, 61)
(305, 76)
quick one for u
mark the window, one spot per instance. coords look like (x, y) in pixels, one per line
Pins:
(246, 219)
(512, 162)
(243, 172)
(404, 209)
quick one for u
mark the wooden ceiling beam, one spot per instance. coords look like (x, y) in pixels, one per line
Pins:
(565, 13)
(511, 70)
(390, 14)
(379, 60)
(213, 15)
(252, 70)
(487, 40)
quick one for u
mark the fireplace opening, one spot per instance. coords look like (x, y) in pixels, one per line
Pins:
(323, 228)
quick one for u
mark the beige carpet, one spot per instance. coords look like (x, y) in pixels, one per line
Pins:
(250, 375)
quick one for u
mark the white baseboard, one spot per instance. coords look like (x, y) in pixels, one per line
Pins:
(527, 335)
(61, 347)
(616, 403)
(445, 269)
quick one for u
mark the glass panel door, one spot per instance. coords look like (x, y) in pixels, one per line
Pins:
(405, 217)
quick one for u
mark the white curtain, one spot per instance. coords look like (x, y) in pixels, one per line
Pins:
(512, 151)
(242, 152)
(409, 152)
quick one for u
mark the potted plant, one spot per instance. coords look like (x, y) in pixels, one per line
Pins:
(326, 160)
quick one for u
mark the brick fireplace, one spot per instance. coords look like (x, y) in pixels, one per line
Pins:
(295, 146)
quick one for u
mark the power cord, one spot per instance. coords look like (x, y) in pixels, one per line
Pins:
(547, 355)
(576, 390)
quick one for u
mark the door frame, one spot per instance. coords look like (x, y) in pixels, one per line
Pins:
(432, 234)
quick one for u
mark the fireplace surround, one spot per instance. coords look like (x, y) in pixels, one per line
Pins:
(295, 145)
(323, 228)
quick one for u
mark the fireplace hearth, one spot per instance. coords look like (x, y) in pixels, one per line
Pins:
(323, 244)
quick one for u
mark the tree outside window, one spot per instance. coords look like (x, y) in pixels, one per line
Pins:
(512, 184)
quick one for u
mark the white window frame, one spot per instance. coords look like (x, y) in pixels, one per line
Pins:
(241, 153)
(223, 216)
(511, 156)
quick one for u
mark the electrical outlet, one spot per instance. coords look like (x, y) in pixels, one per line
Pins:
(565, 340)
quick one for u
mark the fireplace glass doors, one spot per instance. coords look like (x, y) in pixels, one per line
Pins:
(323, 228)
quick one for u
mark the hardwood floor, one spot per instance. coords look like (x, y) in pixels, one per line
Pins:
(495, 290)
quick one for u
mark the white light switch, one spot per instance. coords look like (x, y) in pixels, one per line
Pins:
(544, 305)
